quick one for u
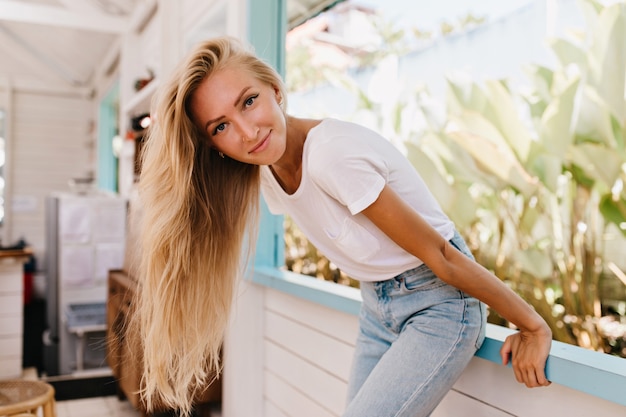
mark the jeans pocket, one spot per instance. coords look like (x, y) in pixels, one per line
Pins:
(458, 242)
(482, 325)
(420, 278)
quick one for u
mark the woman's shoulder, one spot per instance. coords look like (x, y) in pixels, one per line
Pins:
(336, 127)
(338, 134)
(337, 144)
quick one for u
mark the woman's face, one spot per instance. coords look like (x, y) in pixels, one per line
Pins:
(241, 116)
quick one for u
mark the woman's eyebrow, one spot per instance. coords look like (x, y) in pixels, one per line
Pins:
(235, 104)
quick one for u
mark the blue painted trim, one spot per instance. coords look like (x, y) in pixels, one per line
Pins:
(595, 373)
(267, 30)
(107, 124)
(267, 25)
(329, 294)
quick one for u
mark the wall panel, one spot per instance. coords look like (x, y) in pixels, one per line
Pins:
(52, 141)
(330, 354)
(290, 401)
(307, 378)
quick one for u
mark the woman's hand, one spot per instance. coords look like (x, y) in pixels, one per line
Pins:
(528, 352)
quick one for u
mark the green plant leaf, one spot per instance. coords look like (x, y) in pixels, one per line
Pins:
(506, 119)
(594, 122)
(433, 174)
(496, 160)
(614, 211)
(568, 53)
(541, 78)
(463, 95)
(608, 58)
(548, 169)
(619, 133)
(598, 162)
(555, 130)
(591, 9)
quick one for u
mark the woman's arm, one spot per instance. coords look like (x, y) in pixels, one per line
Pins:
(529, 348)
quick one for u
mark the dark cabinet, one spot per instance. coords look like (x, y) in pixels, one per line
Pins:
(123, 358)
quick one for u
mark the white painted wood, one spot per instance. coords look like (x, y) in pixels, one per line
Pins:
(305, 370)
(293, 403)
(198, 15)
(6, 102)
(457, 404)
(496, 385)
(11, 326)
(141, 14)
(11, 316)
(9, 367)
(330, 354)
(150, 41)
(11, 276)
(11, 347)
(79, 6)
(242, 382)
(171, 28)
(270, 410)
(11, 303)
(58, 16)
(306, 377)
(237, 19)
(52, 141)
(341, 326)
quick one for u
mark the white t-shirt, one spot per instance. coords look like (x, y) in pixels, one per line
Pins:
(344, 168)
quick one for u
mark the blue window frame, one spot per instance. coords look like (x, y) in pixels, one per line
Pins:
(267, 23)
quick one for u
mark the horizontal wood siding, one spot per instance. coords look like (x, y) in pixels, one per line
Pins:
(290, 401)
(296, 332)
(496, 385)
(457, 404)
(53, 141)
(307, 352)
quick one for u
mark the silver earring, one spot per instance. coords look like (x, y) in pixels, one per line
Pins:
(221, 154)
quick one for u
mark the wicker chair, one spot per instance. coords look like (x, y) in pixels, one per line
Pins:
(23, 398)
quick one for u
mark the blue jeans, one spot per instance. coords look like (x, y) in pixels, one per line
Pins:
(416, 336)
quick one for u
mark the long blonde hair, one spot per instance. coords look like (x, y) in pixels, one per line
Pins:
(197, 209)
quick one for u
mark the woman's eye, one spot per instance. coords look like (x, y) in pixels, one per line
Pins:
(219, 128)
(250, 100)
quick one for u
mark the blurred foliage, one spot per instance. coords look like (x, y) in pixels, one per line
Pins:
(535, 180)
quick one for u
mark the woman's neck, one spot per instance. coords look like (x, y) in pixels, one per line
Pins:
(288, 170)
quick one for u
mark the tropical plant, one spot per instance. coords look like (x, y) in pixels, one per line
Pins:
(536, 181)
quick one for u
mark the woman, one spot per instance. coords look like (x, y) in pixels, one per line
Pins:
(221, 136)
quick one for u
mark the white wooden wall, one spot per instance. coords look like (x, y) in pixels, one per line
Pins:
(307, 356)
(289, 357)
(53, 140)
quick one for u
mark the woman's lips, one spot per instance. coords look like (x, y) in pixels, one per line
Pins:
(261, 144)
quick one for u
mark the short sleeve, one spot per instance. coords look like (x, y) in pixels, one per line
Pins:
(349, 170)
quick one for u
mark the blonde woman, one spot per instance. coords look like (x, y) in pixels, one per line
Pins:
(222, 135)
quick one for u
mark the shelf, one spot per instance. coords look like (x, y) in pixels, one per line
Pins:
(140, 102)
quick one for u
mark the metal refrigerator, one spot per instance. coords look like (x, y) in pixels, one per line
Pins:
(85, 238)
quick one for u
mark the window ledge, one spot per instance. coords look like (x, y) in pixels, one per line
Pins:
(594, 373)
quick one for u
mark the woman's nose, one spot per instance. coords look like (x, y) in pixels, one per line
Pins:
(249, 132)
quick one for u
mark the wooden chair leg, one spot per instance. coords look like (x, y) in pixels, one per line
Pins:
(49, 409)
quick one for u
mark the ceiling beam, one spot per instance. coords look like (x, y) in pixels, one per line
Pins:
(15, 11)
(39, 55)
(79, 6)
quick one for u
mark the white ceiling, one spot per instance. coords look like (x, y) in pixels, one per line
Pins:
(63, 41)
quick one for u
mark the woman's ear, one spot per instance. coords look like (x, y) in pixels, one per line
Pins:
(279, 96)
